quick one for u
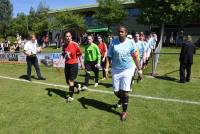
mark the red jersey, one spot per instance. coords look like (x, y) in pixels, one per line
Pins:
(74, 52)
(103, 48)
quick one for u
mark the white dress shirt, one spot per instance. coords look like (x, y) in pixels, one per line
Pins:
(31, 47)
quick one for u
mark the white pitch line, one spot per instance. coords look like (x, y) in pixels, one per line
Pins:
(109, 92)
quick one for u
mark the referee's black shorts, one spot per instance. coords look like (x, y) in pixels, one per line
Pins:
(71, 72)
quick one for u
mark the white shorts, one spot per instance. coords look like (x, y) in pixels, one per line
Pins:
(121, 80)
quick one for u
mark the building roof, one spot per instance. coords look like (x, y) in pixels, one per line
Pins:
(78, 8)
(85, 7)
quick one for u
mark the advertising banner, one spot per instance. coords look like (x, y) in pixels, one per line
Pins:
(58, 60)
(9, 57)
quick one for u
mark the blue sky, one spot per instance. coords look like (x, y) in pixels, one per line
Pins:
(24, 5)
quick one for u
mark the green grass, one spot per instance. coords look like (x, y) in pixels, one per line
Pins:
(27, 108)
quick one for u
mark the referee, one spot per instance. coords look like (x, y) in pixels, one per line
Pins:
(30, 50)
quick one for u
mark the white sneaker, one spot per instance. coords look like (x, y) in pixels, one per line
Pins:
(70, 99)
(84, 88)
(118, 105)
(79, 87)
(103, 78)
(96, 84)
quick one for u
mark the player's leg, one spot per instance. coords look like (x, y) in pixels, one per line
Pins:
(73, 71)
(87, 75)
(103, 65)
(124, 100)
(96, 73)
(107, 67)
(125, 83)
(116, 87)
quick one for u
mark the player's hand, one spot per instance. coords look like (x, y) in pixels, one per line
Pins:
(68, 54)
(83, 66)
(98, 66)
(140, 75)
(103, 59)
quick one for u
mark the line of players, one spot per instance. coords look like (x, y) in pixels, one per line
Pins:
(124, 54)
(98, 56)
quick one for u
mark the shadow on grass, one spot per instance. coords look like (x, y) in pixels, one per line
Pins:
(59, 92)
(168, 78)
(171, 72)
(106, 85)
(25, 77)
(97, 104)
(83, 75)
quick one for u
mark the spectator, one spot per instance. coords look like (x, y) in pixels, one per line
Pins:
(30, 50)
(186, 59)
(45, 41)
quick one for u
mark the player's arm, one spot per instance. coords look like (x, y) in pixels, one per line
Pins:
(144, 53)
(79, 54)
(110, 54)
(137, 63)
(135, 58)
(106, 52)
(98, 55)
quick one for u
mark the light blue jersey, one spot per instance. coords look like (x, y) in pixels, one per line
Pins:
(120, 54)
(149, 45)
(141, 47)
(152, 42)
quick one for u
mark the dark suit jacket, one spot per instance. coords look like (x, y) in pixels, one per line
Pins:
(187, 52)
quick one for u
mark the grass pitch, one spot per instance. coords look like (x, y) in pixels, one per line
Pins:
(26, 107)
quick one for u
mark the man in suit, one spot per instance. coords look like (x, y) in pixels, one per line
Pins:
(186, 59)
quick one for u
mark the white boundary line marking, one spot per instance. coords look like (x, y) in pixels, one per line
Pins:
(109, 92)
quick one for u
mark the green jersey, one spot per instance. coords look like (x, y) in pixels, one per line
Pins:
(92, 53)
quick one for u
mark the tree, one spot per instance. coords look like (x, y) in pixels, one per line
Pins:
(168, 12)
(196, 11)
(38, 20)
(6, 10)
(110, 12)
(19, 25)
(68, 21)
(42, 7)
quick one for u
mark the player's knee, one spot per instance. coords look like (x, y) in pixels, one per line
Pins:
(125, 93)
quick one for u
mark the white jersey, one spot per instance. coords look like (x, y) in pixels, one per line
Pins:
(31, 47)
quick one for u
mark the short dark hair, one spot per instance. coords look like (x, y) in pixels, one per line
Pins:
(101, 37)
(68, 32)
(125, 27)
